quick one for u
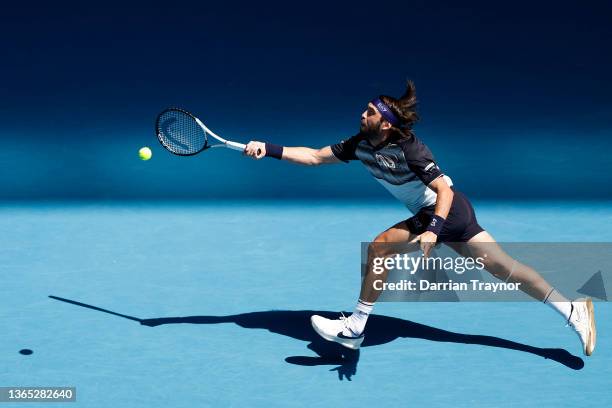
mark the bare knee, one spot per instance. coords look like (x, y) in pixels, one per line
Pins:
(379, 248)
(375, 249)
(498, 268)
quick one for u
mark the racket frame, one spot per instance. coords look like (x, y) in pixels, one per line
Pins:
(224, 142)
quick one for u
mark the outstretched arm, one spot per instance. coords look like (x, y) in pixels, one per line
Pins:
(298, 155)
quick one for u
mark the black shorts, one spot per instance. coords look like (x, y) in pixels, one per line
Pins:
(460, 225)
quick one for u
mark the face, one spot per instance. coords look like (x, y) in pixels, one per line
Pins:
(370, 119)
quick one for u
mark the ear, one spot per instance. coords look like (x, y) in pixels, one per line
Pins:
(385, 125)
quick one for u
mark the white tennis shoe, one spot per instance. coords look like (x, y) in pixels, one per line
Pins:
(336, 330)
(582, 320)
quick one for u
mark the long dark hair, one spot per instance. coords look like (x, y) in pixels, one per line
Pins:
(404, 108)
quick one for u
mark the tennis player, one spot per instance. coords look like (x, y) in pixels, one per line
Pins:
(397, 159)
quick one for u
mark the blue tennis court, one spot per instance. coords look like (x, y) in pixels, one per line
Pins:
(148, 261)
(212, 302)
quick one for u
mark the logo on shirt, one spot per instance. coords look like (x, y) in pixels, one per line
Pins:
(384, 161)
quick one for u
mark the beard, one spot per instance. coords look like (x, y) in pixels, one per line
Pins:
(370, 131)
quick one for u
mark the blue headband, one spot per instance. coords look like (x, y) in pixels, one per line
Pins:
(386, 112)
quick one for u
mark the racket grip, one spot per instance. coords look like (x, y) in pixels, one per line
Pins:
(235, 146)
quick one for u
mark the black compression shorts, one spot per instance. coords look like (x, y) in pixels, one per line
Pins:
(460, 225)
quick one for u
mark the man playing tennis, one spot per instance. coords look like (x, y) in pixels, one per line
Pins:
(388, 148)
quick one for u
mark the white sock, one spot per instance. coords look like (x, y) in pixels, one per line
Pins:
(560, 303)
(357, 321)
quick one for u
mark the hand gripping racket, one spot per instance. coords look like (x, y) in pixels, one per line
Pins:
(185, 135)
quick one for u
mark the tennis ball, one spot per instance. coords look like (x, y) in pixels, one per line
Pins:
(145, 153)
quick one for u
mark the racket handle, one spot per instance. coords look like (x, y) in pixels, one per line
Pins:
(235, 146)
(239, 146)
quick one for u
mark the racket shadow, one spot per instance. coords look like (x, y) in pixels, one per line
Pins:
(380, 330)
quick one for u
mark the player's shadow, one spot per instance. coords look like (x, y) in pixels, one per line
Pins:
(380, 330)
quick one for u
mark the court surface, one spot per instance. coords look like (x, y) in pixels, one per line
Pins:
(216, 301)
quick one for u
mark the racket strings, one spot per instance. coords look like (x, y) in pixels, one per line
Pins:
(179, 132)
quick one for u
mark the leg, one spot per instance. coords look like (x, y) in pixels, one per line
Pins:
(579, 314)
(395, 240)
(349, 331)
(469, 239)
(504, 267)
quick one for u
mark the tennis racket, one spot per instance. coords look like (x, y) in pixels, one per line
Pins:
(183, 134)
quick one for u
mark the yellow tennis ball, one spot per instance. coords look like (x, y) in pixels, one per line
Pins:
(145, 153)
